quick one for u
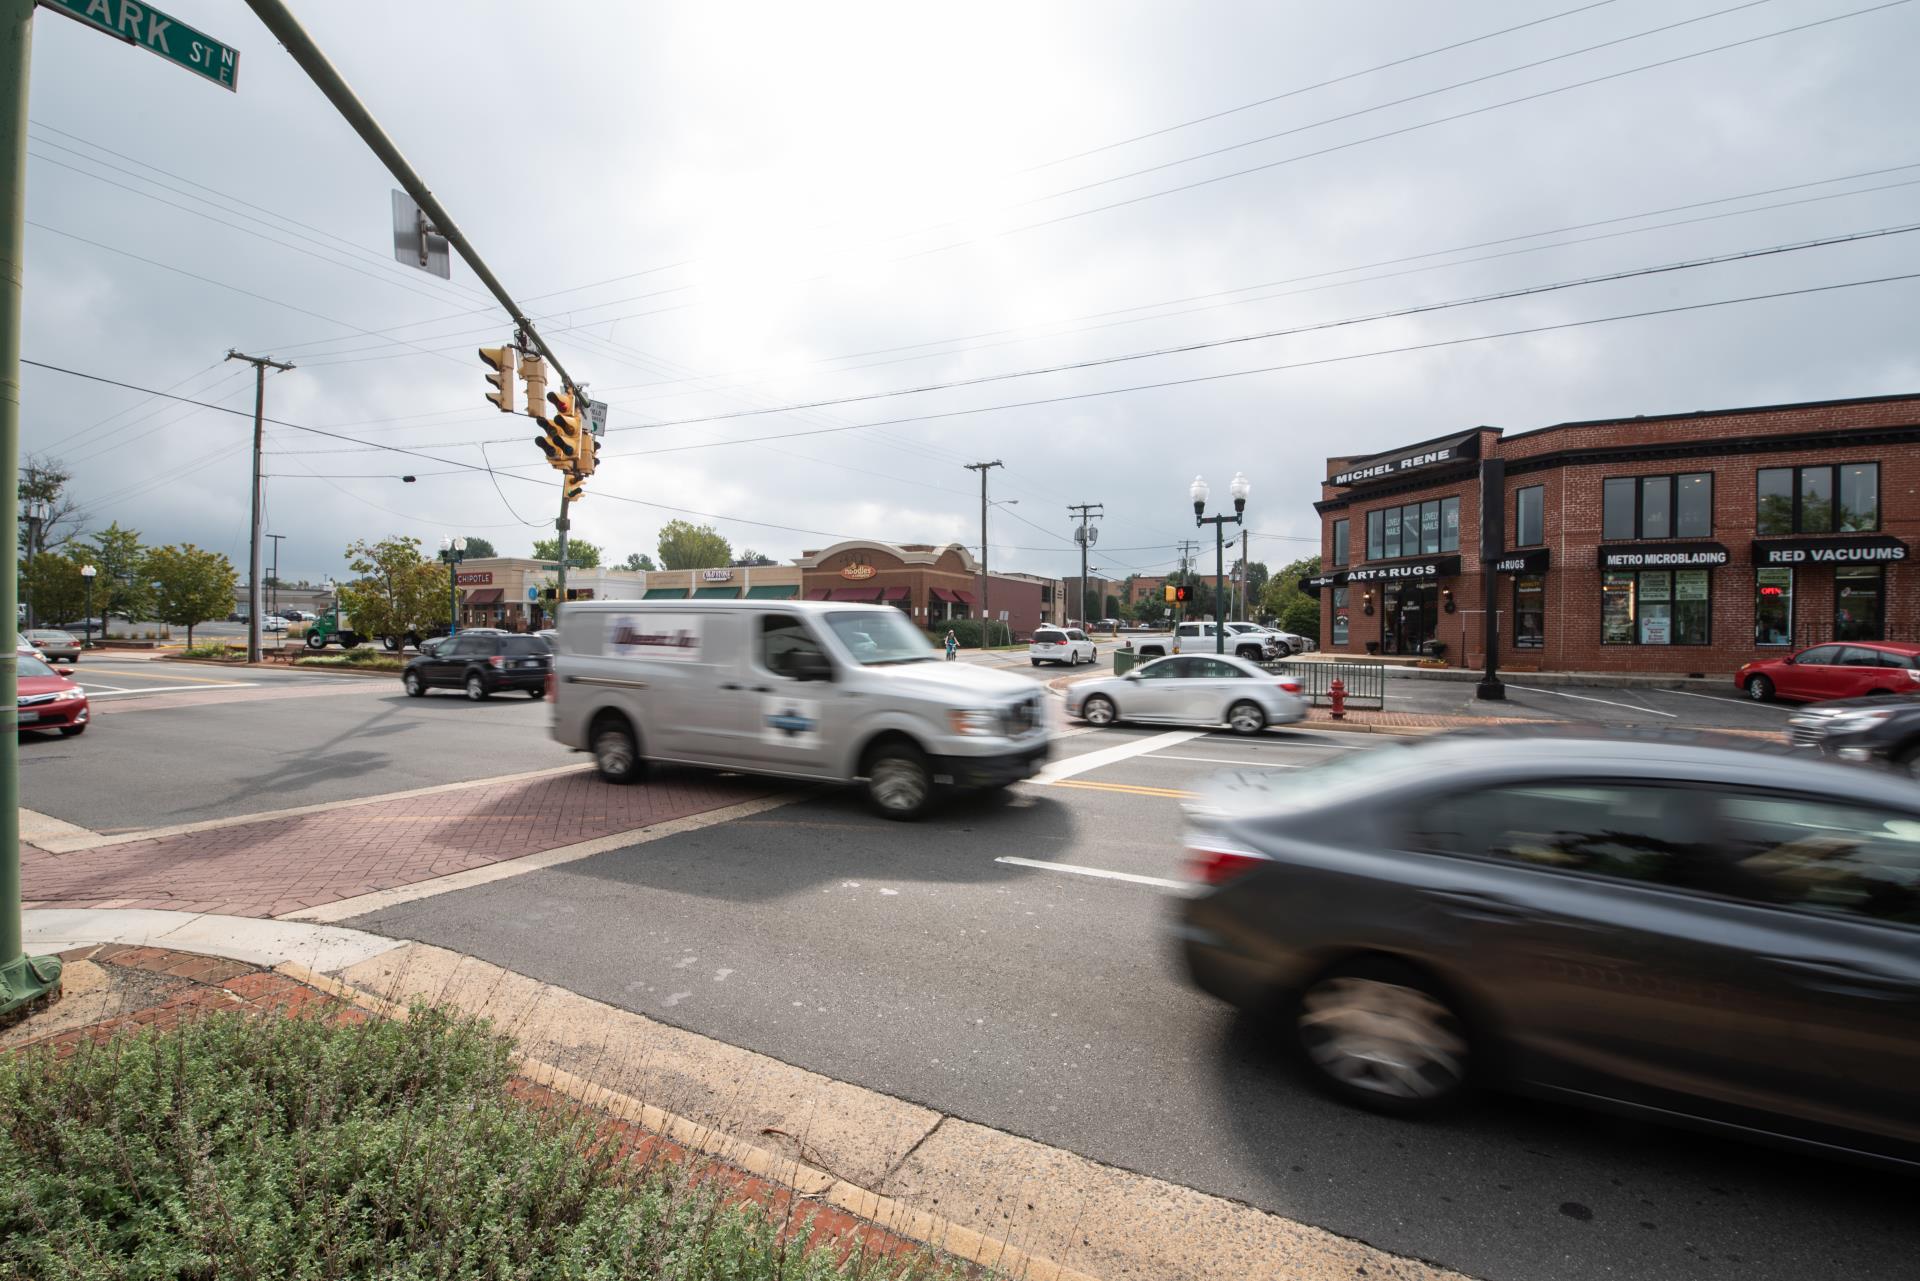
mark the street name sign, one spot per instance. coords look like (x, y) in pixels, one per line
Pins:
(142, 25)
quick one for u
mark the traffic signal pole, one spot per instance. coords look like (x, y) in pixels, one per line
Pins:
(23, 978)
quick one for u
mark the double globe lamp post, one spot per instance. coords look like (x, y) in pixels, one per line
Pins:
(1198, 491)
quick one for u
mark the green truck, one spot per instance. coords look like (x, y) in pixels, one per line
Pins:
(334, 627)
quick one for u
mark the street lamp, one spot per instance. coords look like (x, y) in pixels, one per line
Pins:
(453, 551)
(87, 572)
(1198, 491)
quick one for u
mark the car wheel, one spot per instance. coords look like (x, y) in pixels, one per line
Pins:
(1246, 717)
(476, 686)
(538, 691)
(1099, 710)
(316, 641)
(72, 731)
(1383, 1036)
(898, 781)
(615, 752)
(1759, 689)
(1036, 662)
(415, 687)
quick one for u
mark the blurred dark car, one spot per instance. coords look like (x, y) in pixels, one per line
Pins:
(1862, 729)
(1847, 669)
(1722, 935)
(483, 663)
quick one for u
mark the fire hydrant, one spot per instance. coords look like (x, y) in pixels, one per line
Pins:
(1337, 694)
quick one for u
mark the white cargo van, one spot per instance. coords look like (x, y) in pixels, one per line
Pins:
(805, 689)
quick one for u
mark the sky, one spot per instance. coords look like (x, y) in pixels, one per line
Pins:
(733, 212)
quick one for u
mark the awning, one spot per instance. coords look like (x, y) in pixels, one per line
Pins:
(894, 593)
(855, 593)
(485, 596)
(819, 593)
(1842, 549)
(665, 593)
(716, 593)
(1395, 571)
(963, 596)
(1534, 560)
(941, 593)
(775, 592)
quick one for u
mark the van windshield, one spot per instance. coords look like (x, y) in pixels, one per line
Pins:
(879, 636)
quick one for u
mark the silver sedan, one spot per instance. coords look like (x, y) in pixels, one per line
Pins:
(1192, 689)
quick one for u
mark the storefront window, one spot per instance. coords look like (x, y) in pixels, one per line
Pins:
(1857, 603)
(1773, 607)
(1774, 513)
(1859, 496)
(1816, 499)
(1430, 527)
(1692, 606)
(1376, 535)
(1529, 516)
(1801, 500)
(1656, 507)
(1529, 611)
(1656, 607)
(1449, 524)
(1340, 542)
(1616, 609)
(1616, 508)
(1693, 505)
(1339, 615)
(1393, 532)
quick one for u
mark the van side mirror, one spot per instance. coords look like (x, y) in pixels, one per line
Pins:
(812, 665)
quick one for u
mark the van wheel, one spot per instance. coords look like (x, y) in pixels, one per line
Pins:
(616, 754)
(1382, 1035)
(898, 781)
(1246, 718)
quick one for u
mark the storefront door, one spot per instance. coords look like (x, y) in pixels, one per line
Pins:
(1413, 610)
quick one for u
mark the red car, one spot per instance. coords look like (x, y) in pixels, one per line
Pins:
(48, 700)
(1840, 669)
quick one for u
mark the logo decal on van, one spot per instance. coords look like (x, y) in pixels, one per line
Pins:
(674, 637)
(790, 722)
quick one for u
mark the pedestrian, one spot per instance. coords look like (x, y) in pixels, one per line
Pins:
(953, 645)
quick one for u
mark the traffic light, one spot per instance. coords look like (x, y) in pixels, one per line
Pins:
(1170, 593)
(501, 360)
(589, 456)
(576, 489)
(533, 372)
(561, 439)
(1182, 593)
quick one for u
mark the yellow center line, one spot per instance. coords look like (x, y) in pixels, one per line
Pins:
(155, 676)
(1119, 787)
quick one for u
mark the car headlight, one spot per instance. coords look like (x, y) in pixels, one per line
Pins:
(1849, 721)
(972, 722)
(68, 695)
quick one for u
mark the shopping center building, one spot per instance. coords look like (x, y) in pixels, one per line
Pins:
(1680, 543)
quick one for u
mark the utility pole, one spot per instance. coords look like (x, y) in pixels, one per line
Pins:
(1085, 536)
(260, 366)
(275, 575)
(985, 614)
(1246, 605)
(23, 978)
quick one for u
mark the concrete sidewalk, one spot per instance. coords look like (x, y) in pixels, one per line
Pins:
(1005, 1203)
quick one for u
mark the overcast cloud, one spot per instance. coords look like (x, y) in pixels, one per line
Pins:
(752, 205)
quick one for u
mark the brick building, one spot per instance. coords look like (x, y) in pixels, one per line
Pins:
(1677, 543)
(932, 585)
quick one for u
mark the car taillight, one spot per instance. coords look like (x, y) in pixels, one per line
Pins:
(1291, 687)
(552, 684)
(1212, 864)
(496, 661)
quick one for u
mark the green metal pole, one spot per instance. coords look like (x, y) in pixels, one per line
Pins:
(22, 978)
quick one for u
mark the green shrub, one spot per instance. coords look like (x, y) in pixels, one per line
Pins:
(213, 649)
(968, 632)
(365, 657)
(306, 1147)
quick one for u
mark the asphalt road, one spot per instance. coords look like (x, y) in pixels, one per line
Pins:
(919, 962)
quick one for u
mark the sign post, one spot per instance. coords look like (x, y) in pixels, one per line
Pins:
(1493, 541)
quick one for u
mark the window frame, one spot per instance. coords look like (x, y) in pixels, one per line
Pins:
(1673, 599)
(1758, 570)
(1520, 538)
(1880, 602)
(1672, 482)
(1342, 530)
(1797, 489)
(1377, 534)
(1518, 643)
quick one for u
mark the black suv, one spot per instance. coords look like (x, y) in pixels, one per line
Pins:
(482, 663)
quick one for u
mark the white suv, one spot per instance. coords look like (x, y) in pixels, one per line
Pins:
(1067, 645)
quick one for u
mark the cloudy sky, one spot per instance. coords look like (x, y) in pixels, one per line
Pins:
(719, 211)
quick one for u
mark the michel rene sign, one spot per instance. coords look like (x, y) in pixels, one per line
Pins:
(1436, 453)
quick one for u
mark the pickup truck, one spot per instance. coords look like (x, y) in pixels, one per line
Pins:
(1244, 639)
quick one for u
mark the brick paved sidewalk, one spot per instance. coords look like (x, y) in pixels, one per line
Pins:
(284, 865)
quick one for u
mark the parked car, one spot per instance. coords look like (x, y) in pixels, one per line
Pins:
(1657, 925)
(240, 614)
(1841, 669)
(1067, 645)
(1284, 642)
(800, 689)
(1192, 689)
(483, 663)
(273, 623)
(54, 644)
(48, 700)
(1862, 729)
(1198, 638)
(295, 615)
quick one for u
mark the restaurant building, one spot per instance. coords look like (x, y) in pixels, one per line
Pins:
(932, 585)
(1679, 543)
(738, 582)
(515, 592)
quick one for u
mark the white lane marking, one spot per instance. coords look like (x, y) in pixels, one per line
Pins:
(1071, 765)
(1131, 878)
(1632, 707)
(1741, 702)
(114, 693)
(1222, 760)
(93, 690)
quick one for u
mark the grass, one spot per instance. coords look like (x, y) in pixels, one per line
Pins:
(222, 650)
(362, 657)
(317, 1148)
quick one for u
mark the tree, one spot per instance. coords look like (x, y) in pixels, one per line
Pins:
(44, 479)
(1288, 602)
(52, 583)
(194, 585)
(1113, 607)
(398, 591)
(688, 546)
(581, 554)
(479, 548)
(639, 563)
(1256, 579)
(121, 587)
(753, 559)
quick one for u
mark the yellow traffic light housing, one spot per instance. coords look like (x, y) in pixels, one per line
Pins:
(576, 489)
(561, 439)
(589, 458)
(502, 361)
(533, 372)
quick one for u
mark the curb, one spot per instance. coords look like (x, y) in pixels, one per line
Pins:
(289, 667)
